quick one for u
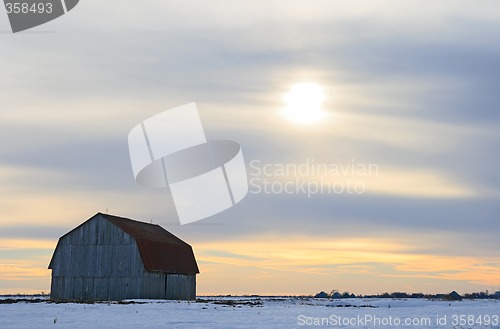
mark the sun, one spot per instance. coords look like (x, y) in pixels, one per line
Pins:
(304, 103)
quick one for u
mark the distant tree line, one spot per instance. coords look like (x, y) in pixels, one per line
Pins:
(335, 294)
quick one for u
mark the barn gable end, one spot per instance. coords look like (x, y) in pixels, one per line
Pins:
(113, 258)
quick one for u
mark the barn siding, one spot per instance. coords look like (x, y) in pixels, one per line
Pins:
(181, 286)
(99, 261)
(153, 285)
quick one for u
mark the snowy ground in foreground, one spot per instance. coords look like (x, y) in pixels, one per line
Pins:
(239, 312)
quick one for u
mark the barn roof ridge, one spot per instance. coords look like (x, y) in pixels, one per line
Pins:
(135, 228)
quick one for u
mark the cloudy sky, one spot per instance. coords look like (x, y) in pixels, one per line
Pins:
(410, 87)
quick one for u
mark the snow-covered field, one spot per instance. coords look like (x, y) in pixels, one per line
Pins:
(255, 312)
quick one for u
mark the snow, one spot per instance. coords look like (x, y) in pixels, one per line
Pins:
(252, 312)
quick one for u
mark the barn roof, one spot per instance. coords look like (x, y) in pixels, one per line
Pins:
(160, 250)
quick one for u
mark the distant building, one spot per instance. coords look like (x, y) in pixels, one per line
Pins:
(453, 296)
(497, 294)
(115, 258)
(336, 295)
(321, 294)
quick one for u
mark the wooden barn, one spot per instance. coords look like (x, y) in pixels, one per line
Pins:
(114, 258)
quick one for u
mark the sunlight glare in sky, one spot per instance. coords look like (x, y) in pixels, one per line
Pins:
(304, 103)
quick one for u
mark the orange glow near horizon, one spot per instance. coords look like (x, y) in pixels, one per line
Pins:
(292, 265)
(366, 264)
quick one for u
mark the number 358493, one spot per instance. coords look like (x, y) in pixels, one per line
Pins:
(26, 8)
